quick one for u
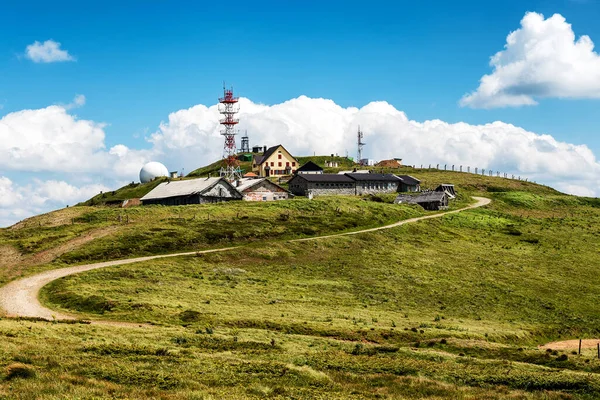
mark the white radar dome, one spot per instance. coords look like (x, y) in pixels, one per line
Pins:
(152, 170)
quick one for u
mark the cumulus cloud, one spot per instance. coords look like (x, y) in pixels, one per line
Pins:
(541, 59)
(54, 141)
(306, 126)
(21, 201)
(47, 52)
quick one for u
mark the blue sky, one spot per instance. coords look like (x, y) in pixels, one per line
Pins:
(138, 61)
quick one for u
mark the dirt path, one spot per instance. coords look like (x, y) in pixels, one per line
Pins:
(571, 344)
(20, 297)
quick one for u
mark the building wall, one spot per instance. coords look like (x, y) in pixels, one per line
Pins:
(409, 188)
(222, 190)
(367, 187)
(309, 172)
(265, 191)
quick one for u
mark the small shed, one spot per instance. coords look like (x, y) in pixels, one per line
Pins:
(261, 190)
(409, 184)
(245, 157)
(444, 187)
(310, 168)
(250, 175)
(431, 201)
(332, 164)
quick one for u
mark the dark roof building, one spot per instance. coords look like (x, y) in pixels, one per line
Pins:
(351, 184)
(444, 187)
(192, 191)
(409, 184)
(429, 200)
(310, 168)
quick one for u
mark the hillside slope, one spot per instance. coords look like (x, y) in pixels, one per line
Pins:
(447, 308)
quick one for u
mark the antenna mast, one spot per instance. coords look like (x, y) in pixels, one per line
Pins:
(360, 144)
(229, 107)
(245, 143)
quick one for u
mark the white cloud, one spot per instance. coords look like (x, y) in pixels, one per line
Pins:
(541, 59)
(306, 126)
(78, 101)
(18, 202)
(47, 52)
(53, 141)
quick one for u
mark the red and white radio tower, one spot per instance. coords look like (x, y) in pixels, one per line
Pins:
(229, 107)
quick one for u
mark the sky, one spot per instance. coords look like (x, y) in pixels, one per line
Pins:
(90, 92)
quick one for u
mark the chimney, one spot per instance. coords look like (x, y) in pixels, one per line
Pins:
(265, 149)
(238, 183)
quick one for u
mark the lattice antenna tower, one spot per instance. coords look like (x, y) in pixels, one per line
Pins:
(229, 107)
(360, 144)
(245, 148)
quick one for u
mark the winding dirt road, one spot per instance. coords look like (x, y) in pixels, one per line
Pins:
(20, 298)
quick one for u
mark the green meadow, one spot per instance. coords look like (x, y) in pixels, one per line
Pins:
(453, 307)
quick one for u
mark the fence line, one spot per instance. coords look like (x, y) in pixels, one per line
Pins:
(477, 171)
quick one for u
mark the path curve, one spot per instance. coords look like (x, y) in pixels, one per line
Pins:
(20, 298)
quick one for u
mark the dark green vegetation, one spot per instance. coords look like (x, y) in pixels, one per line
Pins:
(131, 191)
(446, 308)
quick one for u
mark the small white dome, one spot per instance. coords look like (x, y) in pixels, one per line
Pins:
(152, 170)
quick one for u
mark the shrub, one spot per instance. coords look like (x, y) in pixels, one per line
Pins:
(189, 316)
(18, 370)
(562, 357)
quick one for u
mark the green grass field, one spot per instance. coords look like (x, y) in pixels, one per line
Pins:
(446, 308)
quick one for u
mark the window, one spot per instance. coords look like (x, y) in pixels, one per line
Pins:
(279, 163)
(293, 163)
(287, 164)
(272, 164)
(279, 156)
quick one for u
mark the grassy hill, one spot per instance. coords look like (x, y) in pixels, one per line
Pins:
(447, 308)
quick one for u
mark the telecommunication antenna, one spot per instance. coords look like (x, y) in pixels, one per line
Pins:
(360, 143)
(229, 107)
(245, 148)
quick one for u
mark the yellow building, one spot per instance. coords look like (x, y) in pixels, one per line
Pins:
(275, 161)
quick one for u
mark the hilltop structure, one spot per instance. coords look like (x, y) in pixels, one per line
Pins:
(348, 183)
(261, 189)
(276, 161)
(152, 170)
(310, 168)
(192, 191)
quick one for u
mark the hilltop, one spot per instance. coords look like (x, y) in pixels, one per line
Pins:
(449, 308)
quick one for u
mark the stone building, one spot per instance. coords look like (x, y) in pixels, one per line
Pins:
(375, 183)
(275, 161)
(350, 184)
(192, 191)
(261, 190)
(321, 184)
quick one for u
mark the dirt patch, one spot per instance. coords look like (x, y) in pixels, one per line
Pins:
(49, 255)
(571, 344)
(51, 219)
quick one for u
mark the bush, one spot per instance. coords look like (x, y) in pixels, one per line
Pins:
(18, 370)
